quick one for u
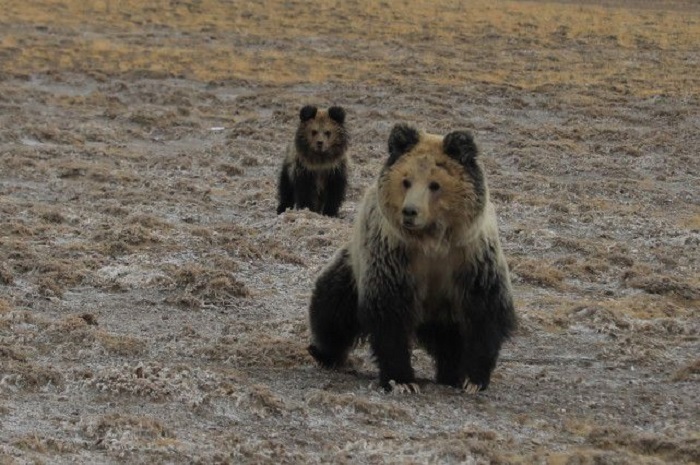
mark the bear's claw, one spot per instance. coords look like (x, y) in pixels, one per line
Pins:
(404, 388)
(471, 388)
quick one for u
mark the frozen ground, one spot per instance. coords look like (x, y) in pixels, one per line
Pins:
(153, 306)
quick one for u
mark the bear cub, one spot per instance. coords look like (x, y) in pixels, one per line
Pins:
(424, 265)
(314, 173)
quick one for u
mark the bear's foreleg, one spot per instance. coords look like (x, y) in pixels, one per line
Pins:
(285, 190)
(490, 320)
(391, 348)
(483, 345)
(446, 343)
(305, 189)
(333, 313)
(387, 314)
(336, 185)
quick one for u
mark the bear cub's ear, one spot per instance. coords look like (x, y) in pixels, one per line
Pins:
(460, 146)
(307, 113)
(337, 114)
(402, 139)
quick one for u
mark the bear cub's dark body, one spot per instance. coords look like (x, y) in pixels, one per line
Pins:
(314, 173)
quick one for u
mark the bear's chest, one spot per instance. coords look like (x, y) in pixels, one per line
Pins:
(433, 278)
(321, 181)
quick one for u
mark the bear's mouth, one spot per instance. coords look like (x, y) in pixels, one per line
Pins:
(410, 225)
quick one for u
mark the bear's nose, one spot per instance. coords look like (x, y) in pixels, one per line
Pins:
(409, 212)
(319, 144)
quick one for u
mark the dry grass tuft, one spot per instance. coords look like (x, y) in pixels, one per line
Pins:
(12, 353)
(72, 329)
(6, 276)
(265, 402)
(45, 445)
(382, 409)
(126, 239)
(662, 284)
(678, 449)
(27, 375)
(151, 381)
(198, 285)
(230, 170)
(121, 345)
(536, 272)
(689, 372)
(149, 222)
(259, 349)
(117, 431)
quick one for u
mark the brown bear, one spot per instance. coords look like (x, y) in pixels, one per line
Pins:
(315, 169)
(424, 265)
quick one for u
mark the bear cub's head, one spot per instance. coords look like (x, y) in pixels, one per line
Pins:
(431, 185)
(321, 135)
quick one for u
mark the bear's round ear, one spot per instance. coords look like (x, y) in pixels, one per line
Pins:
(307, 113)
(337, 114)
(402, 139)
(460, 146)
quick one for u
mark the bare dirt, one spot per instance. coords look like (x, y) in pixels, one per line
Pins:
(153, 306)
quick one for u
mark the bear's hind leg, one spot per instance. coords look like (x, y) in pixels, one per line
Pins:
(333, 313)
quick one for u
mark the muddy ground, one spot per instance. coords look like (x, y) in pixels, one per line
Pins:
(153, 306)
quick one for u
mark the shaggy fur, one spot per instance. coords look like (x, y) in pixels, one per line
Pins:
(314, 173)
(424, 265)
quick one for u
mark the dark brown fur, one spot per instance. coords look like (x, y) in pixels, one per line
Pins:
(424, 264)
(314, 171)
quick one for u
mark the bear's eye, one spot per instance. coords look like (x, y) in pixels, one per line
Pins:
(406, 183)
(314, 132)
(327, 133)
(434, 186)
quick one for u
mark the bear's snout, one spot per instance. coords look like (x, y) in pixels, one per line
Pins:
(409, 215)
(409, 212)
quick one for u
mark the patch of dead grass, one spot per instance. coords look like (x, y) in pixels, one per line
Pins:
(689, 372)
(5, 306)
(6, 276)
(28, 375)
(149, 222)
(265, 402)
(646, 307)
(125, 239)
(258, 349)
(121, 345)
(676, 449)
(119, 431)
(72, 329)
(358, 404)
(44, 444)
(560, 29)
(197, 285)
(666, 285)
(536, 272)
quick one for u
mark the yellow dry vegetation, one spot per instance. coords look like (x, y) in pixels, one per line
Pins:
(522, 44)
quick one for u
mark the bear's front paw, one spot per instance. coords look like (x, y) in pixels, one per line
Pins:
(325, 360)
(403, 388)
